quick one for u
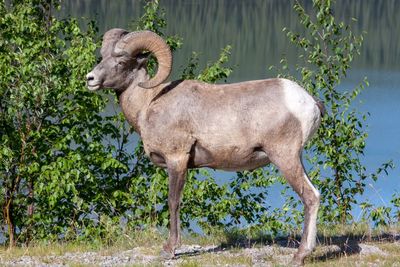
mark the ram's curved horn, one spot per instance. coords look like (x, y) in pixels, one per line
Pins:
(110, 38)
(135, 42)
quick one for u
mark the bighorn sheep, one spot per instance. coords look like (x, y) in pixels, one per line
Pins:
(192, 124)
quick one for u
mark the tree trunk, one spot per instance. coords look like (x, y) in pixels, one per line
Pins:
(30, 211)
(339, 197)
(9, 219)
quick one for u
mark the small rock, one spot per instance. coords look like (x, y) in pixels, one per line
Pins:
(369, 249)
(333, 249)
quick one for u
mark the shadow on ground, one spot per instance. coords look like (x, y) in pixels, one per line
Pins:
(332, 246)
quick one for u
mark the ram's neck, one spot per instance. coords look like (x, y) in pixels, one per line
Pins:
(134, 102)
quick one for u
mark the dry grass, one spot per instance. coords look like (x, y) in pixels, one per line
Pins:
(231, 259)
(43, 249)
(337, 247)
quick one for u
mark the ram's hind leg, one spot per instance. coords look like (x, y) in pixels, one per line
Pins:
(293, 170)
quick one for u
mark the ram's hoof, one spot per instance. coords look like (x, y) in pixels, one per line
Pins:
(167, 255)
(297, 261)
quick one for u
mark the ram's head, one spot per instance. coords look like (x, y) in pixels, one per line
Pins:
(124, 56)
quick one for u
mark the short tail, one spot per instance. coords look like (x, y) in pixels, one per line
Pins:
(320, 105)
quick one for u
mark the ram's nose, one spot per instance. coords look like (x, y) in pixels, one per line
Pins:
(89, 77)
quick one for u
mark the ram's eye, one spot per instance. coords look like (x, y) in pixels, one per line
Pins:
(121, 64)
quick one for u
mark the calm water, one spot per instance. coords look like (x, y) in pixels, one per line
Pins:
(254, 29)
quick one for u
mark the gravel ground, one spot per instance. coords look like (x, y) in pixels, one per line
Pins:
(263, 256)
(136, 256)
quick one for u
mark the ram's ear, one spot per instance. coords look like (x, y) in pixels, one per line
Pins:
(141, 59)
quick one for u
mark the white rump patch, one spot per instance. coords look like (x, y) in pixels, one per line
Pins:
(303, 106)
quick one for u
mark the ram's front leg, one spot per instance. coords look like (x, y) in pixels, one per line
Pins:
(177, 170)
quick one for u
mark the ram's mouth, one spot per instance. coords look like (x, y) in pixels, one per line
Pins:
(93, 86)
